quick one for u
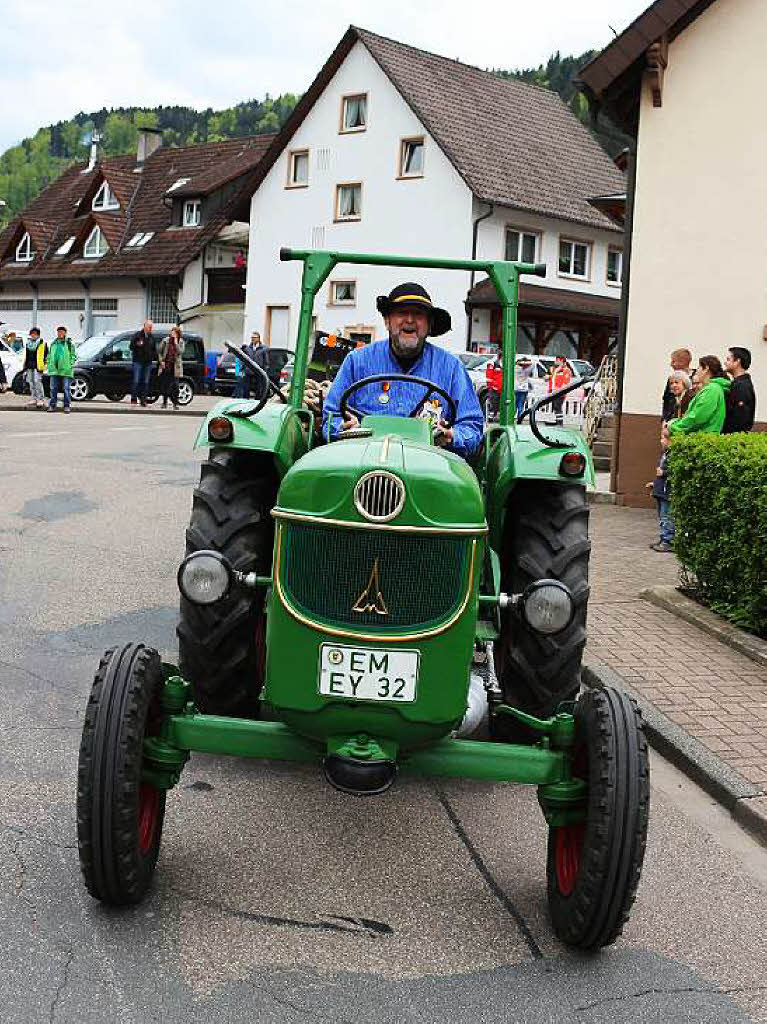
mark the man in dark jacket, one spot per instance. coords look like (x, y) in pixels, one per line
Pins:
(142, 346)
(741, 401)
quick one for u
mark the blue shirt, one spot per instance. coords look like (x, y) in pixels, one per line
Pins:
(434, 364)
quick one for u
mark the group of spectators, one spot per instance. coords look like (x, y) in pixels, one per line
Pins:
(559, 376)
(168, 355)
(57, 360)
(711, 399)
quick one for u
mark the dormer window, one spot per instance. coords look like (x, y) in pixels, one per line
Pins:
(105, 198)
(95, 245)
(192, 213)
(24, 252)
(354, 113)
(66, 247)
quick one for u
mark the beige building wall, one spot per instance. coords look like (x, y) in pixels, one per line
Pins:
(699, 251)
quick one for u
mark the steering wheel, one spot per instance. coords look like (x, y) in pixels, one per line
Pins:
(429, 385)
(269, 390)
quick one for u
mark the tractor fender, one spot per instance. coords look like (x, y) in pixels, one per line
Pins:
(514, 455)
(279, 430)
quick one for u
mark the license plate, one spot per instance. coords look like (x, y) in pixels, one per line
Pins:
(362, 673)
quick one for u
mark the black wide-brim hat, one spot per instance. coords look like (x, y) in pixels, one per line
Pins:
(411, 294)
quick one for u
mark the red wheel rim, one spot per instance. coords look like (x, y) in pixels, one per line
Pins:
(568, 843)
(148, 812)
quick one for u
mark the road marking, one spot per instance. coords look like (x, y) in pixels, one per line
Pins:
(39, 433)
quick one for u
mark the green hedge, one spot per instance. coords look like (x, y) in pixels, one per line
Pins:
(719, 502)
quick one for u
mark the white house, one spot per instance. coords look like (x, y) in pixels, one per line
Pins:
(686, 79)
(395, 150)
(151, 233)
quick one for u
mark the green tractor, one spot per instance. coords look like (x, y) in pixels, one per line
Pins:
(368, 606)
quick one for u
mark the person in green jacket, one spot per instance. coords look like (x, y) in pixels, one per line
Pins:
(62, 356)
(705, 413)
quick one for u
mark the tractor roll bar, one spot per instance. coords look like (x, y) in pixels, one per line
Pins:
(559, 393)
(428, 262)
(504, 274)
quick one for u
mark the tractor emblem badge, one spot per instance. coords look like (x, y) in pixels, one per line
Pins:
(371, 598)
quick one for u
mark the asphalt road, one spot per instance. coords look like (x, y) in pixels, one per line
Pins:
(277, 898)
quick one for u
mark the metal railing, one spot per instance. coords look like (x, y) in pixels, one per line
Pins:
(602, 398)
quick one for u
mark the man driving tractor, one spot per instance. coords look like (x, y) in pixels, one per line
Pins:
(410, 318)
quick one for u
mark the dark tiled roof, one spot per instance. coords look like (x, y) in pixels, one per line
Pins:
(614, 76)
(557, 300)
(512, 143)
(54, 215)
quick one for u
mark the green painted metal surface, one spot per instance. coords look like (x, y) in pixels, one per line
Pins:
(470, 759)
(278, 429)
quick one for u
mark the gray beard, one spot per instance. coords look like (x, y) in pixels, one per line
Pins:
(406, 354)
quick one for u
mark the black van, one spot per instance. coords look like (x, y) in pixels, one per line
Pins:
(104, 366)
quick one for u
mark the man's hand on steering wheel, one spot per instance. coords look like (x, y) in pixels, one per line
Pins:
(350, 422)
(443, 434)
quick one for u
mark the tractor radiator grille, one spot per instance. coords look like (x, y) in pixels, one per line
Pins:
(373, 579)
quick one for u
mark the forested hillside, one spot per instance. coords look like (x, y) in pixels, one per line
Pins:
(26, 169)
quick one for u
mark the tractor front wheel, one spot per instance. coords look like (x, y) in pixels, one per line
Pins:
(222, 646)
(120, 816)
(593, 867)
(547, 537)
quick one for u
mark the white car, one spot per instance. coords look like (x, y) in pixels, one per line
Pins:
(476, 366)
(12, 361)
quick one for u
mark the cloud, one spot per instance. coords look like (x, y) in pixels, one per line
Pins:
(91, 55)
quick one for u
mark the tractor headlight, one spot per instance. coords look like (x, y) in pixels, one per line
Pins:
(547, 606)
(204, 577)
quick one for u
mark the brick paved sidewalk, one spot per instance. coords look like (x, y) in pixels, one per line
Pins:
(715, 694)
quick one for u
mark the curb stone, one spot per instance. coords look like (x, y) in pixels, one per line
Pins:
(115, 410)
(746, 802)
(671, 600)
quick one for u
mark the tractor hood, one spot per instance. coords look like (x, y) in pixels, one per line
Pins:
(441, 489)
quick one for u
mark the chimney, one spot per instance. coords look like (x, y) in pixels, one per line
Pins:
(93, 160)
(149, 139)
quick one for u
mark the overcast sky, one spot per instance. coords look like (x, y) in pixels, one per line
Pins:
(61, 58)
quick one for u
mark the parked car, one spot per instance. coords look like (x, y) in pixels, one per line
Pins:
(13, 362)
(104, 366)
(277, 359)
(476, 365)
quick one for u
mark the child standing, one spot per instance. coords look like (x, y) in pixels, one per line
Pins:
(661, 491)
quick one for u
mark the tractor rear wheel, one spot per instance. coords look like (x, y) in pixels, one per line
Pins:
(222, 647)
(593, 868)
(119, 816)
(546, 537)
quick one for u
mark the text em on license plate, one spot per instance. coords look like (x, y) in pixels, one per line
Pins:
(362, 673)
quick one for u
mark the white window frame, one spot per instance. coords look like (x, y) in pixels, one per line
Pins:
(66, 247)
(334, 300)
(619, 253)
(343, 129)
(535, 235)
(24, 251)
(105, 198)
(292, 156)
(572, 242)
(195, 207)
(338, 217)
(102, 246)
(402, 174)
